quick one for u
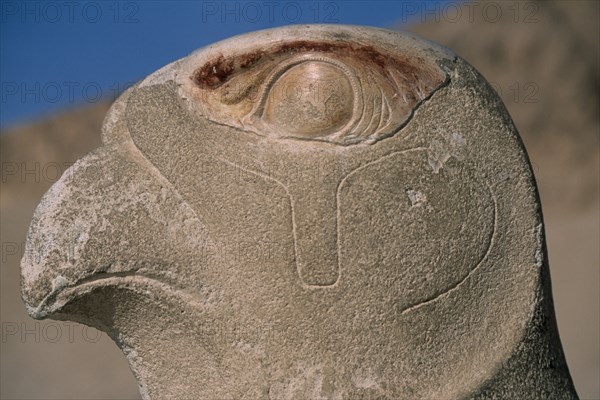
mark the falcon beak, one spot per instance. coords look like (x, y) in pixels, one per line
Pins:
(68, 242)
(51, 267)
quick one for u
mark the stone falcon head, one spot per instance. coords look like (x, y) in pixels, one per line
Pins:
(308, 212)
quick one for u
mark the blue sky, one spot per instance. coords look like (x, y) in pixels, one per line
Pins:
(58, 54)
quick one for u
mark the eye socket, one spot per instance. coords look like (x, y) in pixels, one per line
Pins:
(320, 95)
(308, 97)
(334, 92)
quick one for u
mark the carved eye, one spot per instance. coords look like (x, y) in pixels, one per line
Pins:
(337, 93)
(307, 97)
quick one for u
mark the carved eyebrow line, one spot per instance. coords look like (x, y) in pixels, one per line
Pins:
(220, 69)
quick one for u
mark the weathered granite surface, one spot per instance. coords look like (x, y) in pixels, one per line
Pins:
(309, 212)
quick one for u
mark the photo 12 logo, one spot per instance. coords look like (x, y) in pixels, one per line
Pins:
(65, 92)
(71, 12)
(48, 332)
(254, 12)
(470, 11)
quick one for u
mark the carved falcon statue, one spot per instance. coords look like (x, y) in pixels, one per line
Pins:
(309, 212)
